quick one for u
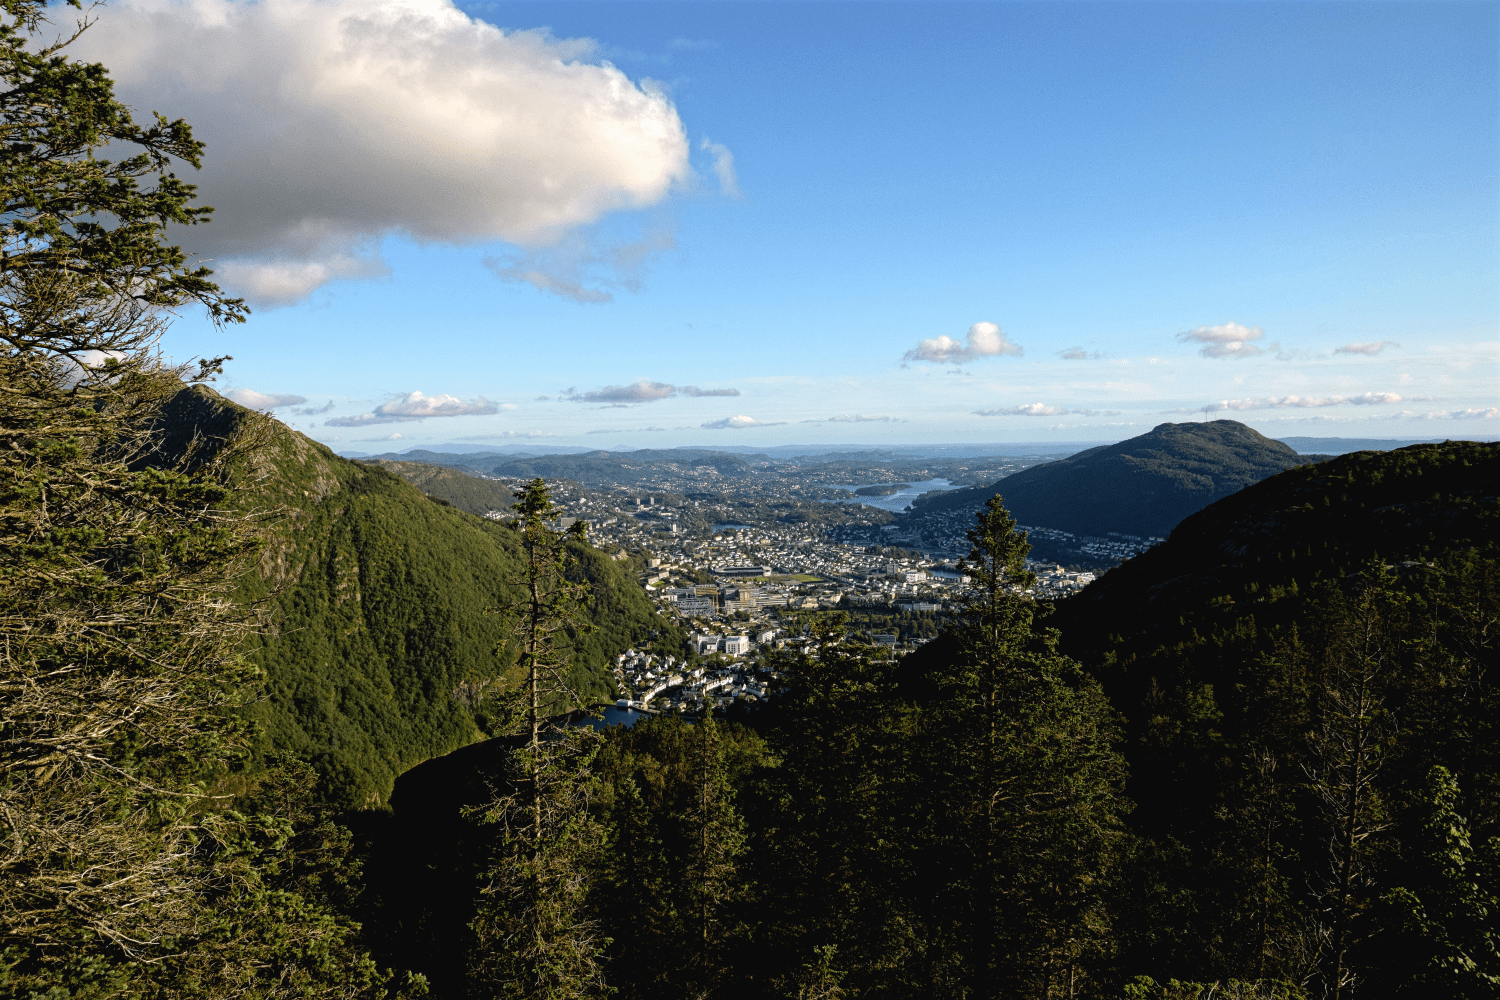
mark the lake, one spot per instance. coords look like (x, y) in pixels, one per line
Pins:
(614, 716)
(896, 502)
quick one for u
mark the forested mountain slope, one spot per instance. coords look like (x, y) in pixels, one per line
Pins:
(381, 650)
(1143, 486)
(468, 493)
(1292, 664)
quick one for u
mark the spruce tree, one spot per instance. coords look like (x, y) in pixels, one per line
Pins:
(535, 935)
(1026, 791)
(138, 853)
(1443, 923)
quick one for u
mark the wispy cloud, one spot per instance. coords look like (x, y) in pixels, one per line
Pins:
(263, 400)
(739, 422)
(641, 391)
(984, 340)
(1043, 410)
(625, 430)
(417, 406)
(1302, 402)
(577, 269)
(1374, 347)
(1472, 413)
(313, 411)
(854, 418)
(1230, 340)
(729, 184)
(1079, 354)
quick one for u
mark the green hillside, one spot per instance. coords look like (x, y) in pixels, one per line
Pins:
(468, 493)
(1143, 486)
(380, 651)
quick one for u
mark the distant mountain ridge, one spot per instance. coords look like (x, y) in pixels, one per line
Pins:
(1142, 486)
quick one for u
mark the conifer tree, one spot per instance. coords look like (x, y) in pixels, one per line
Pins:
(535, 935)
(1027, 790)
(1444, 922)
(123, 869)
(715, 840)
(1352, 738)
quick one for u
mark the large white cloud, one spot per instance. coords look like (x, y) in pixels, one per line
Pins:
(984, 340)
(1228, 340)
(416, 406)
(331, 124)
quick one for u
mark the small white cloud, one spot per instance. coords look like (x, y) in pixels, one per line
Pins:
(984, 340)
(1372, 348)
(417, 406)
(739, 422)
(1079, 354)
(263, 400)
(1230, 340)
(729, 185)
(507, 406)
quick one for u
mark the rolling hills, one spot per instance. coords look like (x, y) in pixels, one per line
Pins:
(380, 648)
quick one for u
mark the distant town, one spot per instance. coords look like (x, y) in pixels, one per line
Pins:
(741, 589)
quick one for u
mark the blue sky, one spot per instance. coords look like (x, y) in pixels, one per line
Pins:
(1117, 215)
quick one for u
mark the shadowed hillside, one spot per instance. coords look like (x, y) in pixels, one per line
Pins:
(1220, 648)
(380, 653)
(1143, 486)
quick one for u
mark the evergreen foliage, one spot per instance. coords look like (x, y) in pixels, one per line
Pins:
(535, 937)
(137, 855)
(1292, 663)
(380, 653)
